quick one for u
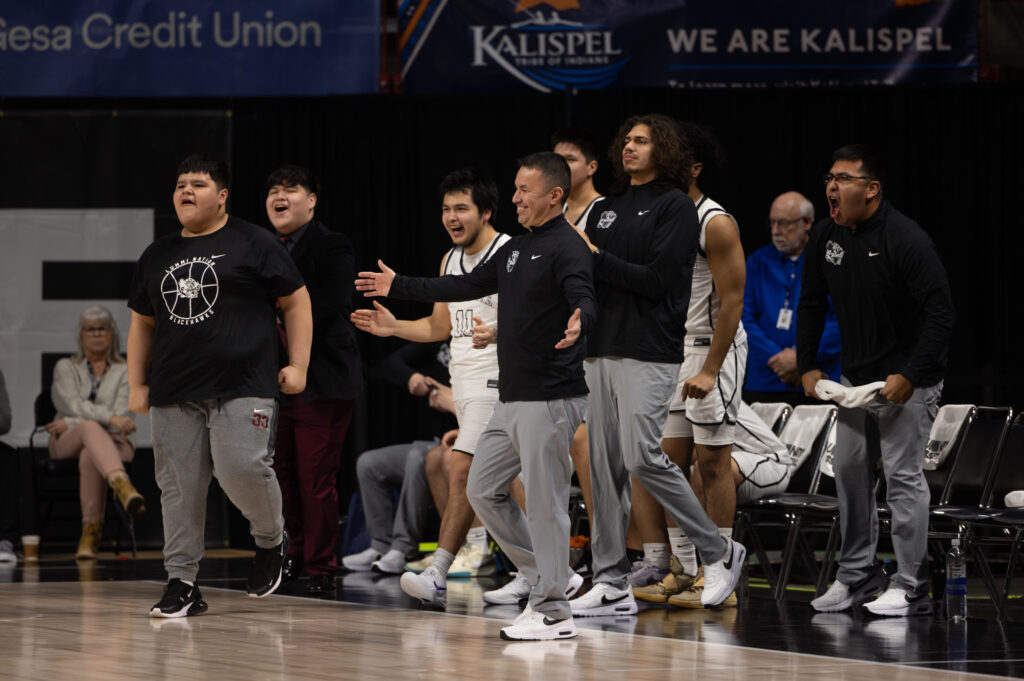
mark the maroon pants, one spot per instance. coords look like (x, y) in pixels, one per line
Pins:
(306, 461)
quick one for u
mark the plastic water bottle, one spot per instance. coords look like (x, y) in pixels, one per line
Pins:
(956, 584)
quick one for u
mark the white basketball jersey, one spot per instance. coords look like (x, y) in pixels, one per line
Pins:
(704, 301)
(581, 224)
(472, 371)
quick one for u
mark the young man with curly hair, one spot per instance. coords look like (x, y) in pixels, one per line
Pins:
(644, 240)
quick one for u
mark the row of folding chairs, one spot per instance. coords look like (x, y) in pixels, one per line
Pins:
(973, 459)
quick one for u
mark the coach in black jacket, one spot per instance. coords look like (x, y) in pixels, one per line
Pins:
(895, 314)
(543, 279)
(311, 427)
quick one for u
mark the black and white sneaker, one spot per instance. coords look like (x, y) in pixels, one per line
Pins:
(898, 602)
(265, 572)
(180, 600)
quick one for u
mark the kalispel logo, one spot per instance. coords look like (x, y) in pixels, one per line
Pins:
(549, 52)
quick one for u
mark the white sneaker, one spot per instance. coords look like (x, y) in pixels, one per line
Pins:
(420, 565)
(429, 586)
(604, 599)
(360, 562)
(721, 576)
(537, 626)
(841, 596)
(837, 598)
(511, 593)
(472, 561)
(575, 582)
(519, 590)
(897, 602)
(391, 563)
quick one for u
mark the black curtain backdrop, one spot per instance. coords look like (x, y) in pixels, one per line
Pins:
(953, 157)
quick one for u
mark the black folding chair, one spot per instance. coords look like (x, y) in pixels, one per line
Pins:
(786, 510)
(54, 481)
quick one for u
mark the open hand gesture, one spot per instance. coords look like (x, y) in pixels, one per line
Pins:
(376, 283)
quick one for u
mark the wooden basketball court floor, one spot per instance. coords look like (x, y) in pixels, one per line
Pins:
(55, 623)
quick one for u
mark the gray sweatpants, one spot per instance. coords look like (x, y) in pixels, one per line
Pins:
(898, 433)
(381, 472)
(629, 401)
(232, 439)
(533, 437)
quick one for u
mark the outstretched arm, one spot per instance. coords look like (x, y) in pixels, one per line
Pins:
(380, 322)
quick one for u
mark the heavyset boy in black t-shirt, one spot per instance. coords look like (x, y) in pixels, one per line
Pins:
(203, 361)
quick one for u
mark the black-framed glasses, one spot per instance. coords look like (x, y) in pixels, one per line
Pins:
(845, 178)
(779, 222)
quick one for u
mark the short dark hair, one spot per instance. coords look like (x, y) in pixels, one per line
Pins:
(217, 169)
(869, 160)
(554, 170)
(707, 149)
(480, 187)
(672, 154)
(292, 176)
(581, 139)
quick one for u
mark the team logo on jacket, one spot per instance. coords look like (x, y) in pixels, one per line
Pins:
(607, 218)
(834, 253)
(512, 260)
(189, 290)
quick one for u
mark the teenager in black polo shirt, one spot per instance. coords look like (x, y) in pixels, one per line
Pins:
(202, 360)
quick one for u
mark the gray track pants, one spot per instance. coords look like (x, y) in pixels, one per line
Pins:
(629, 402)
(232, 439)
(381, 472)
(898, 433)
(533, 437)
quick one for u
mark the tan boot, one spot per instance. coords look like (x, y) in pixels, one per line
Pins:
(130, 499)
(89, 544)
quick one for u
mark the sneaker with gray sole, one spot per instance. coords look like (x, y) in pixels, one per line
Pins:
(841, 596)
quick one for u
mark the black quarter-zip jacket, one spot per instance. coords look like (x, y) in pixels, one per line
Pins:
(891, 298)
(541, 278)
(647, 244)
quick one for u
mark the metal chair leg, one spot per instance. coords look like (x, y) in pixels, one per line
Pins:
(788, 556)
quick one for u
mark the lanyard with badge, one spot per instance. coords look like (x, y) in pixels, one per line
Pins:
(95, 380)
(785, 320)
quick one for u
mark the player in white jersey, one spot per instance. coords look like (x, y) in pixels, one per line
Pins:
(468, 205)
(705, 418)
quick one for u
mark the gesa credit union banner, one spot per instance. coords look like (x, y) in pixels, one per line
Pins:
(189, 48)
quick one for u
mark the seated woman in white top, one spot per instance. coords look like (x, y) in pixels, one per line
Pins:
(94, 424)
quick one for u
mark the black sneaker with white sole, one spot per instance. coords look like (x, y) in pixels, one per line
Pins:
(180, 600)
(265, 572)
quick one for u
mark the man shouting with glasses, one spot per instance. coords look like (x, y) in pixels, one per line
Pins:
(895, 315)
(769, 308)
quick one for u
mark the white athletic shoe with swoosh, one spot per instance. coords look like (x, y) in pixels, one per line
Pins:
(604, 599)
(721, 576)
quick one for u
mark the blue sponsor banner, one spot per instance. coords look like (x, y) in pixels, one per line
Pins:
(189, 48)
(451, 46)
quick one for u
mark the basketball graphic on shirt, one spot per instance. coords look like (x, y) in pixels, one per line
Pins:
(189, 290)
